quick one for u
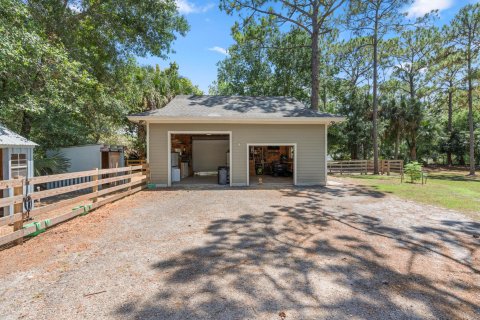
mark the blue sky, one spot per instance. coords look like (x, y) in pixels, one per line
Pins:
(205, 44)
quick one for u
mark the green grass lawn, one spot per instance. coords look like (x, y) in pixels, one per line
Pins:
(448, 189)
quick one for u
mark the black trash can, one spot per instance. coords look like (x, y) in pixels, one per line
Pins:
(222, 175)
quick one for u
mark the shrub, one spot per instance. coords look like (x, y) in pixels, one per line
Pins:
(56, 163)
(414, 171)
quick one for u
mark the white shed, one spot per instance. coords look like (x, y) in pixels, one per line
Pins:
(91, 156)
(88, 157)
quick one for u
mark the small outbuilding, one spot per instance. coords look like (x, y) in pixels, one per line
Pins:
(91, 156)
(16, 155)
(16, 159)
(236, 140)
(88, 157)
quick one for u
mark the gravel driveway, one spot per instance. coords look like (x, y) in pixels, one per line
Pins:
(328, 253)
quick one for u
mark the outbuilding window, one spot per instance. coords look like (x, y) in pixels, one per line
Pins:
(19, 165)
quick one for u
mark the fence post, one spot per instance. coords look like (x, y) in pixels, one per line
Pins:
(401, 169)
(147, 172)
(18, 209)
(388, 167)
(130, 179)
(95, 186)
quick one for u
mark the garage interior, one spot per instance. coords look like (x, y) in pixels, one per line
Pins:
(271, 165)
(200, 159)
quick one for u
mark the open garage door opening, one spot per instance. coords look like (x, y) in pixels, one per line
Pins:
(271, 164)
(200, 159)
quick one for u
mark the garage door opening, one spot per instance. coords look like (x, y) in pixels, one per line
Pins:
(271, 164)
(199, 159)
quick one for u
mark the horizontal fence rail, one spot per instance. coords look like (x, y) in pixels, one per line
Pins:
(60, 193)
(364, 166)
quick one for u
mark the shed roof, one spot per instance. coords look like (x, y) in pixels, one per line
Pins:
(11, 139)
(235, 108)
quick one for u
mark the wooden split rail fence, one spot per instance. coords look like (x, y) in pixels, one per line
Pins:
(123, 181)
(365, 166)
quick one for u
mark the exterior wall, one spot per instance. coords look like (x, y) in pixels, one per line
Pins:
(7, 152)
(208, 155)
(82, 158)
(310, 140)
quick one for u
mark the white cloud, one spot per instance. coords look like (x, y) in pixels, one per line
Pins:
(187, 7)
(421, 7)
(219, 50)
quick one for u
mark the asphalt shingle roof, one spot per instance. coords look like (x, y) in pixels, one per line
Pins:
(10, 138)
(241, 107)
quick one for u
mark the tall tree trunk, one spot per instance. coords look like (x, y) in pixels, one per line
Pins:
(26, 124)
(142, 140)
(315, 67)
(449, 124)
(324, 97)
(412, 87)
(470, 110)
(413, 135)
(354, 148)
(413, 149)
(375, 98)
(397, 144)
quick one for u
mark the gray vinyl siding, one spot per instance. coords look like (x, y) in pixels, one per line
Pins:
(310, 140)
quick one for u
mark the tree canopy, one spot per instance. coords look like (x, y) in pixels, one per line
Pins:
(68, 73)
(407, 88)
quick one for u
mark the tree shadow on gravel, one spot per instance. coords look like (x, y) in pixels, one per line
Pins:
(312, 262)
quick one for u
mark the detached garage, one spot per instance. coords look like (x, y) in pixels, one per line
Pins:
(235, 140)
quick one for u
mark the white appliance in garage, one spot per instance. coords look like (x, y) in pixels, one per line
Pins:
(175, 169)
(175, 174)
(175, 156)
(184, 170)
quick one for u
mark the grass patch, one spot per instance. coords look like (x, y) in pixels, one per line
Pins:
(452, 190)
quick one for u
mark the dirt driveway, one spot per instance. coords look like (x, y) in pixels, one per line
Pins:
(328, 253)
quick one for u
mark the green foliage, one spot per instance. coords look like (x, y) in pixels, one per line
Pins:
(414, 171)
(55, 163)
(68, 74)
(152, 88)
(35, 74)
(67, 70)
(264, 61)
(464, 36)
(421, 84)
(313, 21)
